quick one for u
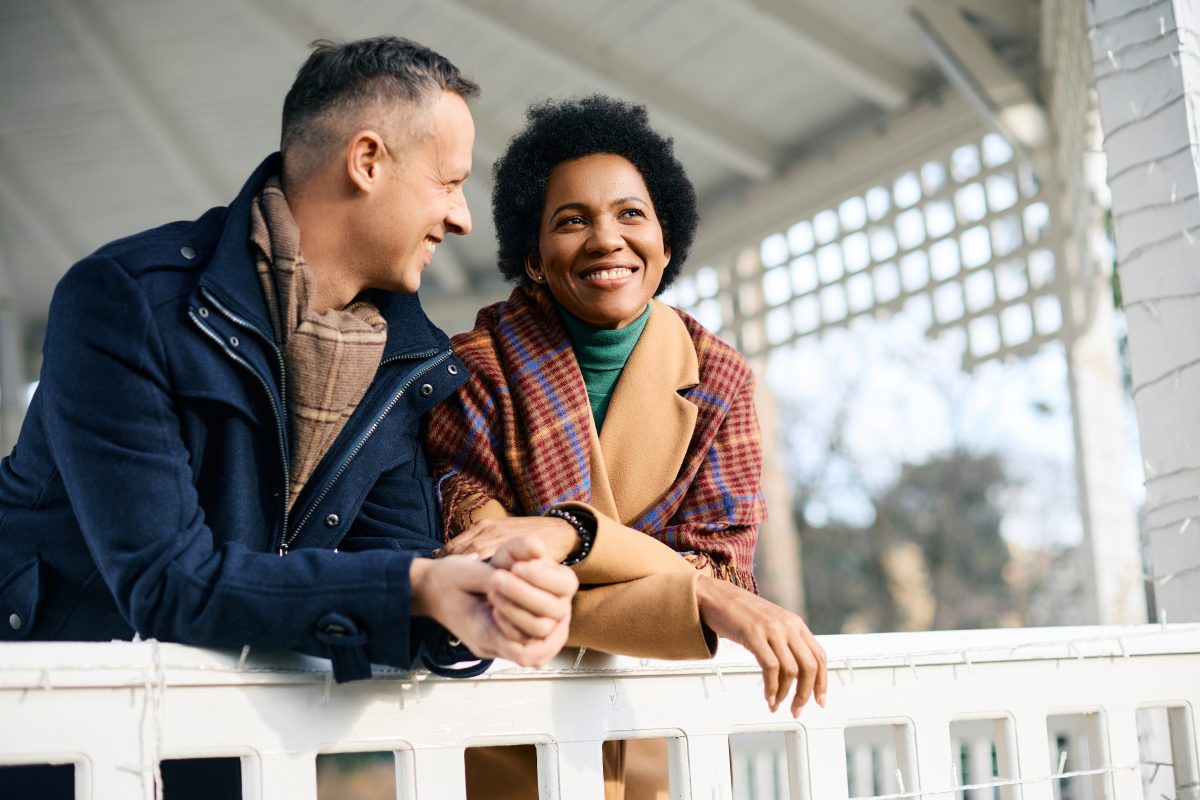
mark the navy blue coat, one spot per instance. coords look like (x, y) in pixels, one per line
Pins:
(147, 491)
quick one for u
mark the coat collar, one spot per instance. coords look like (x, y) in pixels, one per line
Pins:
(231, 278)
(649, 425)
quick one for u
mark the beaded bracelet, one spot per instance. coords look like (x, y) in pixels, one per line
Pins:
(586, 533)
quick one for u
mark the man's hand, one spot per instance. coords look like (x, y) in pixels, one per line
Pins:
(780, 641)
(517, 608)
(526, 606)
(486, 536)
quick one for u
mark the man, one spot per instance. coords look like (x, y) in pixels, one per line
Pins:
(223, 448)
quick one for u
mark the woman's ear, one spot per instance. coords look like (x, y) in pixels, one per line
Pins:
(533, 268)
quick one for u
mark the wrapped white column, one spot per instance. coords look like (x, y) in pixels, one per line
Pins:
(1147, 74)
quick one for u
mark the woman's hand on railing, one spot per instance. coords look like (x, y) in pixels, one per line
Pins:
(780, 641)
(486, 536)
(518, 607)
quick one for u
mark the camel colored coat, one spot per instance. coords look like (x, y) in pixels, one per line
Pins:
(634, 460)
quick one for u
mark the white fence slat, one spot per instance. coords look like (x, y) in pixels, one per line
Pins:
(571, 771)
(284, 776)
(707, 775)
(440, 773)
(827, 762)
(1033, 755)
(1121, 732)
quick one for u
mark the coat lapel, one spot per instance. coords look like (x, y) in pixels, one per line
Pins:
(649, 425)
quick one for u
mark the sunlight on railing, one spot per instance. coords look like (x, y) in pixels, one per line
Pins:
(1030, 713)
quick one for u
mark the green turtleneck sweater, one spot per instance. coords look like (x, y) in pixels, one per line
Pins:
(602, 353)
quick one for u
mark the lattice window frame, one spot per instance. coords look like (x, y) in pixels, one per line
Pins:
(742, 303)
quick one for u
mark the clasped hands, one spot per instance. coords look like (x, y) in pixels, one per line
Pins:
(516, 606)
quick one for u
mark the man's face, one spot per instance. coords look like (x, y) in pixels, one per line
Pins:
(420, 199)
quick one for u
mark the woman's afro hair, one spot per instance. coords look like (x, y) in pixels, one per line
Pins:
(559, 131)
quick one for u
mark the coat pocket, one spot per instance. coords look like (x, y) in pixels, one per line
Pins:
(19, 592)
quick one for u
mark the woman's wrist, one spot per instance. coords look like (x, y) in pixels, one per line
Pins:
(583, 528)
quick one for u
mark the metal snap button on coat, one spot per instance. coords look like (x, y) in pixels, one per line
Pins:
(453, 370)
(233, 341)
(332, 521)
(187, 252)
(426, 390)
(203, 312)
(15, 622)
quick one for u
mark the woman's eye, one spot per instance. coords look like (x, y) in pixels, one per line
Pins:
(632, 212)
(574, 219)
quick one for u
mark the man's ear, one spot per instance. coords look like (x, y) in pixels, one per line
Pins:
(533, 268)
(365, 154)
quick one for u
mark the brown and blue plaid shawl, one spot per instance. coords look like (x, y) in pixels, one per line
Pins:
(519, 432)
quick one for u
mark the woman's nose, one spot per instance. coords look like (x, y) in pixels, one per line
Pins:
(605, 238)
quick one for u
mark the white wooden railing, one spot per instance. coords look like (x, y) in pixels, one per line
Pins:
(910, 710)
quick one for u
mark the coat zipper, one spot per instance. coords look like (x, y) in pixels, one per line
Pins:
(279, 426)
(417, 373)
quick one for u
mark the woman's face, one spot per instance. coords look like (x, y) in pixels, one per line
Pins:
(600, 247)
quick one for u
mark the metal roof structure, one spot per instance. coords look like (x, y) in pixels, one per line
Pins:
(119, 116)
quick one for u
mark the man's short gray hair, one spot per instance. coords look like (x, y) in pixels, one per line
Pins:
(344, 87)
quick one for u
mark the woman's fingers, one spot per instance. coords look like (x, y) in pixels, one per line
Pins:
(513, 548)
(787, 663)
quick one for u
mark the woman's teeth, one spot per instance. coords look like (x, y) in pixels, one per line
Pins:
(430, 245)
(608, 274)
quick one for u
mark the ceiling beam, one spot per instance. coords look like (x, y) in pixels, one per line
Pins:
(741, 219)
(110, 60)
(734, 144)
(825, 45)
(1013, 17)
(970, 65)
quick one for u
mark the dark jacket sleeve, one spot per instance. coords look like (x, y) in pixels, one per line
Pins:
(115, 437)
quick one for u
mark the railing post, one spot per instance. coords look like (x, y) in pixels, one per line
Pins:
(440, 773)
(1033, 755)
(827, 762)
(1183, 753)
(1004, 733)
(1119, 727)
(980, 771)
(283, 776)
(103, 779)
(571, 771)
(707, 768)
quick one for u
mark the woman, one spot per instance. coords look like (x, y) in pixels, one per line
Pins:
(612, 425)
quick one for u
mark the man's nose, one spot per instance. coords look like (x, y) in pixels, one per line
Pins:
(458, 220)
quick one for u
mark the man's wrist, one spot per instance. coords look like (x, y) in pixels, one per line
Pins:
(418, 574)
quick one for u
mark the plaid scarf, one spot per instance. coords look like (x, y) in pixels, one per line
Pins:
(330, 358)
(519, 432)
